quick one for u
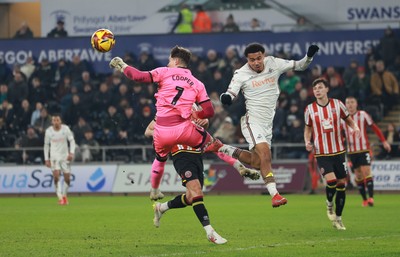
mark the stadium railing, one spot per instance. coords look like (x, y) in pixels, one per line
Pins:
(341, 25)
(145, 153)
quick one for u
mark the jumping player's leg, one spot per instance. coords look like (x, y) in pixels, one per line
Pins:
(259, 157)
(243, 170)
(157, 171)
(187, 133)
(164, 138)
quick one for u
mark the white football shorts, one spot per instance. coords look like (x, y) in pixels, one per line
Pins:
(62, 165)
(256, 133)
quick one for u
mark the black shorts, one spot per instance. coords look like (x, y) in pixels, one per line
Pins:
(360, 159)
(333, 163)
(189, 166)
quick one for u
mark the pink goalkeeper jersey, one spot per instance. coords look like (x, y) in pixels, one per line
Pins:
(177, 91)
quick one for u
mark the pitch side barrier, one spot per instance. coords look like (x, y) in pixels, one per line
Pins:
(291, 177)
(337, 48)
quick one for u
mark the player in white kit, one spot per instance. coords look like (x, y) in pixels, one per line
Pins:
(58, 155)
(258, 81)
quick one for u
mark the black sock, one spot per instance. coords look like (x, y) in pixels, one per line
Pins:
(179, 201)
(370, 185)
(200, 210)
(361, 188)
(330, 189)
(340, 198)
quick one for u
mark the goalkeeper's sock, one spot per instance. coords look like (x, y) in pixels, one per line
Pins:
(200, 209)
(157, 171)
(226, 158)
(231, 151)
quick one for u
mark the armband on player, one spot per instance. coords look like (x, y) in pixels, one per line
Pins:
(226, 99)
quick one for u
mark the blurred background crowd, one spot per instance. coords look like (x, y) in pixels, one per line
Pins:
(107, 109)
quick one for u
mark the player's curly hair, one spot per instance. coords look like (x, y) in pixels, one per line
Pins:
(182, 53)
(253, 48)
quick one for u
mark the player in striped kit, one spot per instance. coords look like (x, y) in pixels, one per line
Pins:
(358, 149)
(258, 81)
(58, 156)
(323, 123)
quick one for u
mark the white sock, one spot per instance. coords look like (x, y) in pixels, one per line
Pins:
(208, 229)
(338, 217)
(65, 189)
(227, 149)
(237, 164)
(272, 188)
(329, 203)
(58, 190)
(164, 207)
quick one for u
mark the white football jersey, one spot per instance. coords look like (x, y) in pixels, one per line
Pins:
(56, 143)
(261, 90)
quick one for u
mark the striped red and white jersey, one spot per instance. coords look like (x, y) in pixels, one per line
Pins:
(361, 144)
(184, 148)
(326, 124)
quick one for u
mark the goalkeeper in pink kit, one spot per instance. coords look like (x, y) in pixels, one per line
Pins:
(177, 91)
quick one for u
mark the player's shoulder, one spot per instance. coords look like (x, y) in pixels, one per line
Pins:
(65, 127)
(49, 129)
(243, 72)
(337, 101)
(309, 105)
(270, 60)
(364, 114)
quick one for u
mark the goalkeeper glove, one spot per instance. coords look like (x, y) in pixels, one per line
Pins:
(118, 64)
(312, 49)
(225, 99)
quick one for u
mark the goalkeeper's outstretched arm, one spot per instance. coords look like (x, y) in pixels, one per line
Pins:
(129, 71)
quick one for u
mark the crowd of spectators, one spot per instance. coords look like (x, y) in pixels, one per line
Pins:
(107, 109)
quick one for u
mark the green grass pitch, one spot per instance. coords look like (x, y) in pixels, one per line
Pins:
(122, 226)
